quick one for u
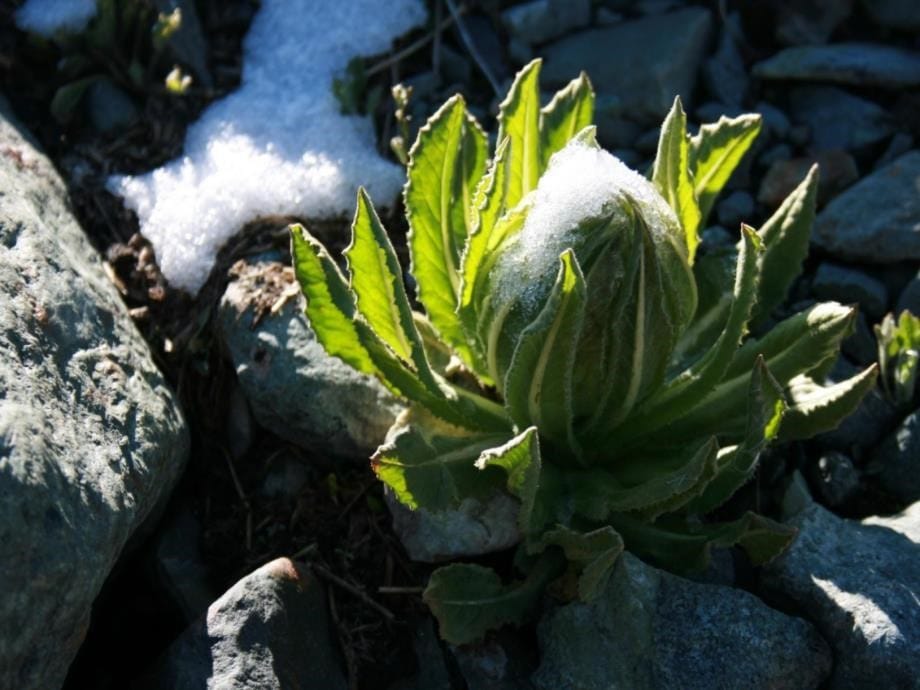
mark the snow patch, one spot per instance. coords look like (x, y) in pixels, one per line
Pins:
(278, 145)
(48, 17)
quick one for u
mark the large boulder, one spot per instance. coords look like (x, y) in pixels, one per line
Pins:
(651, 629)
(859, 584)
(91, 438)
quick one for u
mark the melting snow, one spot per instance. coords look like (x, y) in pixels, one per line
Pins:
(581, 183)
(47, 17)
(278, 145)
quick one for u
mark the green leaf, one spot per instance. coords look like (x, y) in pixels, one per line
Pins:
(685, 548)
(344, 334)
(538, 385)
(593, 554)
(785, 236)
(380, 295)
(715, 152)
(486, 237)
(671, 174)
(569, 112)
(480, 297)
(330, 305)
(815, 408)
(520, 459)
(798, 345)
(519, 121)
(650, 482)
(470, 600)
(67, 98)
(735, 465)
(714, 272)
(686, 390)
(431, 464)
(445, 163)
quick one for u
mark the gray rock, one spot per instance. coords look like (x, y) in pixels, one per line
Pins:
(861, 347)
(539, 21)
(109, 108)
(496, 663)
(837, 119)
(849, 285)
(909, 298)
(900, 143)
(649, 7)
(294, 388)
(896, 460)
(432, 667)
(775, 154)
(870, 422)
(735, 208)
(859, 584)
(860, 64)
(903, 15)
(475, 527)
(270, 630)
(188, 45)
(455, 66)
(711, 111)
(724, 74)
(775, 123)
(614, 130)
(650, 629)
(607, 17)
(811, 21)
(91, 438)
(837, 172)
(907, 522)
(835, 478)
(645, 62)
(877, 220)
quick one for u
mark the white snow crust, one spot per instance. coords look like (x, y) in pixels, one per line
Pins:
(278, 145)
(582, 182)
(48, 17)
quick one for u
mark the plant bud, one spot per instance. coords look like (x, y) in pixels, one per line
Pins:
(640, 290)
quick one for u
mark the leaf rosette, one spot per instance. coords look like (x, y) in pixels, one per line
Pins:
(580, 348)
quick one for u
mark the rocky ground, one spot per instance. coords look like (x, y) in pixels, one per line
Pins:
(228, 523)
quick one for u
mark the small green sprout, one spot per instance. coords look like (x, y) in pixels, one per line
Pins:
(899, 357)
(580, 349)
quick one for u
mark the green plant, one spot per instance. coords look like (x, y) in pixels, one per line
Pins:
(126, 43)
(899, 357)
(578, 349)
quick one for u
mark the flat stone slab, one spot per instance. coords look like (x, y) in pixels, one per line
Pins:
(651, 629)
(294, 388)
(859, 64)
(91, 438)
(859, 583)
(643, 63)
(877, 220)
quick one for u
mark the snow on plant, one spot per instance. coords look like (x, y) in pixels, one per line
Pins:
(579, 349)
